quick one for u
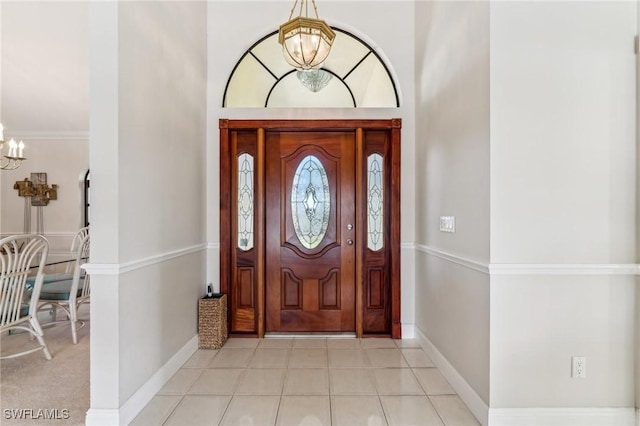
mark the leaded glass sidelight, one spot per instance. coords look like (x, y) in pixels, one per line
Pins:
(245, 202)
(310, 201)
(375, 202)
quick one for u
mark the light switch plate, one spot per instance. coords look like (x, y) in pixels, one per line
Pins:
(448, 223)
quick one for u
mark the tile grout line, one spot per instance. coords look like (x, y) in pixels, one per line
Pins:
(370, 369)
(226, 408)
(436, 410)
(166, 419)
(384, 413)
(426, 394)
(182, 397)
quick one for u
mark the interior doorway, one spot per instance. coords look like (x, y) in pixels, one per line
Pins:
(310, 231)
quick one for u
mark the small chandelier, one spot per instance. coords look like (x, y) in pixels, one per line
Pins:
(14, 157)
(314, 80)
(305, 41)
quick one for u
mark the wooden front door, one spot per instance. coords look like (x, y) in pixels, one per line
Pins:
(310, 226)
(310, 217)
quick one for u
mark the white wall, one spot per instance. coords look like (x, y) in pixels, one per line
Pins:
(43, 87)
(638, 220)
(235, 26)
(563, 203)
(148, 123)
(452, 178)
(556, 83)
(44, 101)
(65, 160)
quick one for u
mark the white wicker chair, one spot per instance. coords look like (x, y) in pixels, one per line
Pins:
(71, 293)
(75, 246)
(68, 273)
(18, 305)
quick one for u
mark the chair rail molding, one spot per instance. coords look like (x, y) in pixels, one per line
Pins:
(121, 268)
(532, 268)
(476, 265)
(564, 269)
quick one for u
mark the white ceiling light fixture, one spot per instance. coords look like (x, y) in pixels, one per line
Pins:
(14, 157)
(306, 41)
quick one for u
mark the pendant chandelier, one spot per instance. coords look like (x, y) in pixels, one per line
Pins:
(305, 41)
(14, 157)
(314, 80)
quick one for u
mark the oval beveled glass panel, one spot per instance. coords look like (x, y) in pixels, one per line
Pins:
(310, 202)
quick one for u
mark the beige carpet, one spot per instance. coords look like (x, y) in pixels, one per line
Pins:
(42, 392)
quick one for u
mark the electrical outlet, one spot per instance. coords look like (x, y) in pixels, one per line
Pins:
(579, 367)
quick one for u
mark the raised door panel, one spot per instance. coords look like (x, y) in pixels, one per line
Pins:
(310, 283)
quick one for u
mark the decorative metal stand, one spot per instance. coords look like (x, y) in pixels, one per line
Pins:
(37, 193)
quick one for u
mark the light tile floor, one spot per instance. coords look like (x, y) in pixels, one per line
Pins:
(308, 381)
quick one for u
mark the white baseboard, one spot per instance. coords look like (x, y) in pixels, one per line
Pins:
(525, 416)
(141, 398)
(476, 404)
(408, 331)
(562, 416)
(130, 409)
(102, 417)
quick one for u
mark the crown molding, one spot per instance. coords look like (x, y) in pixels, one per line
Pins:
(47, 135)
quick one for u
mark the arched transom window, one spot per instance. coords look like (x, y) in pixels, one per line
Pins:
(353, 76)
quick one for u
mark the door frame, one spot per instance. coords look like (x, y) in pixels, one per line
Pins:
(250, 283)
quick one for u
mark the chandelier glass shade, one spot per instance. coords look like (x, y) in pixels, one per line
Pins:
(314, 80)
(14, 157)
(305, 41)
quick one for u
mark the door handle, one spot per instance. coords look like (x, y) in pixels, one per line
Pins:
(350, 241)
(349, 227)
